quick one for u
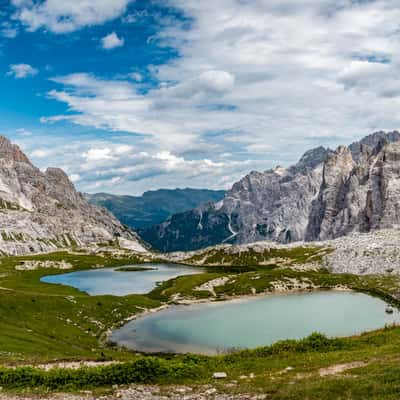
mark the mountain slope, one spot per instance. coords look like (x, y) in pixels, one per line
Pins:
(153, 207)
(41, 211)
(325, 195)
(358, 196)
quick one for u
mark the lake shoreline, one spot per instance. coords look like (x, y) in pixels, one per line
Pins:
(121, 282)
(187, 302)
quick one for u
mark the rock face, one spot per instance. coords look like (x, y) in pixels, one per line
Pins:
(376, 252)
(358, 196)
(41, 211)
(327, 194)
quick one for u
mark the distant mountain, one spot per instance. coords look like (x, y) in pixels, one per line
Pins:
(153, 207)
(325, 195)
(42, 211)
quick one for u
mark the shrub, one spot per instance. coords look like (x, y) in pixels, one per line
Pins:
(141, 370)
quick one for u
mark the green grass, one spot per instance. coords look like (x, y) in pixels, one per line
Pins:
(7, 205)
(378, 378)
(262, 279)
(42, 322)
(250, 257)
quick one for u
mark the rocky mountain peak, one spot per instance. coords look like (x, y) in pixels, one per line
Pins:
(42, 211)
(373, 141)
(310, 160)
(327, 194)
(339, 160)
(389, 152)
(61, 188)
(11, 152)
(313, 157)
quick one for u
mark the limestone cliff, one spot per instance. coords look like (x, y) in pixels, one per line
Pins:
(42, 211)
(327, 194)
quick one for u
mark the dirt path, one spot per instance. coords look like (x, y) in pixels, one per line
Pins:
(339, 368)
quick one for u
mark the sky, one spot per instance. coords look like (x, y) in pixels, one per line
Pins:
(133, 95)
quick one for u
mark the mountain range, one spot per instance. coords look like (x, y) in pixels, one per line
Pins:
(153, 207)
(42, 211)
(327, 194)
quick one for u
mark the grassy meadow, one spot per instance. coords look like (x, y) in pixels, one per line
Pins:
(45, 323)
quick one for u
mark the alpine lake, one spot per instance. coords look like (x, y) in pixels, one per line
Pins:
(223, 326)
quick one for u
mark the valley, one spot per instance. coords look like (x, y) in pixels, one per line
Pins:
(47, 324)
(153, 207)
(89, 308)
(199, 200)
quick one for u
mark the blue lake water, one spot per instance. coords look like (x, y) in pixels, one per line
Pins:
(120, 283)
(212, 327)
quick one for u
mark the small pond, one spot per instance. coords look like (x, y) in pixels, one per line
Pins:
(120, 281)
(210, 328)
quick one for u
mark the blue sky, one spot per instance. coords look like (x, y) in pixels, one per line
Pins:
(128, 95)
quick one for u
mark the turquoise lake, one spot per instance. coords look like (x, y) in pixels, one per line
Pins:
(121, 283)
(209, 328)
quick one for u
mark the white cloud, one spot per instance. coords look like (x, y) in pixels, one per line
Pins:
(135, 16)
(20, 71)
(98, 154)
(8, 30)
(102, 165)
(41, 153)
(67, 16)
(23, 132)
(170, 161)
(259, 80)
(219, 81)
(136, 76)
(74, 177)
(112, 41)
(107, 153)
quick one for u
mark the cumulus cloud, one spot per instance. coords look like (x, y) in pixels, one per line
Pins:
(261, 81)
(107, 153)
(20, 71)
(66, 16)
(74, 177)
(136, 76)
(112, 41)
(41, 153)
(102, 165)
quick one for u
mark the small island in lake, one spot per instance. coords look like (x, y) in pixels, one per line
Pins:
(135, 269)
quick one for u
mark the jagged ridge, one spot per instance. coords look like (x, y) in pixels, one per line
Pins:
(41, 211)
(327, 194)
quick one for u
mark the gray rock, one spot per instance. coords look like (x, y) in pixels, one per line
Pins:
(358, 196)
(220, 375)
(327, 194)
(42, 211)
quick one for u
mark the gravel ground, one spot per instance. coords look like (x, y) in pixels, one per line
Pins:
(375, 252)
(142, 392)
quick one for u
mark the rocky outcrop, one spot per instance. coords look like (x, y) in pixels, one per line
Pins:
(42, 211)
(271, 205)
(376, 252)
(358, 196)
(371, 141)
(327, 194)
